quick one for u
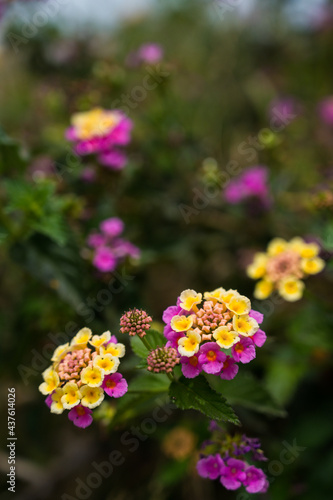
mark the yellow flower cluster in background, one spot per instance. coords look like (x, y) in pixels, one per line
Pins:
(283, 267)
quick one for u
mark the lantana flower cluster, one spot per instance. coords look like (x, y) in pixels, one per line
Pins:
(251, 184)
(214, 332)
(229, 459)
(101, 132)
(283, 267)
(109, 249)
(82, 372)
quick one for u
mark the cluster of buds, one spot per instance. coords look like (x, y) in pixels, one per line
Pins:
(162, 360)
(229, 459)
(135, 322)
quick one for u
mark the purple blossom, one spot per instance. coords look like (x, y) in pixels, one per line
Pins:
(210, 467)
(229, 369)
(191, 366)
(173, 338)
(104, 259)
(253, 182)
(113, 159)
(283, 111)
(232, 474)
(257, 316)
(112, 227)
(80, 416)
(88, 174)
(115, 385)
(255, 479)
(325, 109)
(96, 240)
(244, 351)
(211, 358)
(48, 400)
(259, 338)
(170, 312)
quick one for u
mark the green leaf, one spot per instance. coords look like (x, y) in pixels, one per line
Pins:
(153, 337)
(245, 390)
(11, 155)
(138, 348)
(196, 394)
(150, 382)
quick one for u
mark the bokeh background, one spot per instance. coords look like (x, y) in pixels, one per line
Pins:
(225, 66)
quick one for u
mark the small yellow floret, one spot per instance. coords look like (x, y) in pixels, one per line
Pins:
(181, 323)
(189, 299)
(225, 338)
(263, 289)
(91, 396)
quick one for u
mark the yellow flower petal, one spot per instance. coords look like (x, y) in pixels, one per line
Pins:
(99, 340)
(312, 266)
(225, 338)
(92, 376)
(263, 289)
(189, 299)
(291, 289)
(91, 396)
(60, 351)
(71, 395)
(216, 294)
(107, 363)
(276, 246)
(245, 325)
(82, 337)
(189, 345)
(56, 405)
(116, 350)
(181, 323)
(239, 305)
(310, 250)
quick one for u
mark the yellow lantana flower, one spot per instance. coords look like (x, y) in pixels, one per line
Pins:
(276, 246)
(257, 269)
(310, 250)
(71, 395)
(51, 381)
(189, 299)
(116, 350)
(291, 289)
(225, 338)
(189, 345)
(312, 266)
(239, 305)
(60, 351)
(92, 376)
(227, 295)
(181, 323)
(91, 396)
(216, 294)
(82, 337)
(56, 405)
(263, 289)
(107, 363)
(99, 340)
(94, 123)
(245, 325)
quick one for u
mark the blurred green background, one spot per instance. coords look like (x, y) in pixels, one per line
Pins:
(222, 68)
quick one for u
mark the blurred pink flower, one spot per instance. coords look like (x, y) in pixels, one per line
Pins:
(325, 109)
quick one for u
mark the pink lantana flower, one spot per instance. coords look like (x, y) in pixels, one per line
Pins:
(232, 474)
(325, 109)
(191, 366)
(259, 338)
(229, 369)
(81, 416)
(96, 240)
(210, 467)
(115, 385)
(104, 260)
(211, 358)
(244, 351)
(255, 480)
(112, 227)
(257, 316)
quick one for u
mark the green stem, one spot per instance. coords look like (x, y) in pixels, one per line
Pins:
(146, 343)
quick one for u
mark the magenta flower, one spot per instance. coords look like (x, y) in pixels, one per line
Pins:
(211, 358)
(115, 385)
(255, 480)
(150, 53)
(191, 366)
(48, 400)
(257, 316)
(112, 227)
(259, 338)
(244, 351)
(232, 474)
(173, 338)
(88, 174)
(101, 132)
(229, 369)
(170, 312)
(81, 416)
(210, 467)
(96, 240)
(104, 260)
(252, 183)
(325, 109)
(283, 111)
